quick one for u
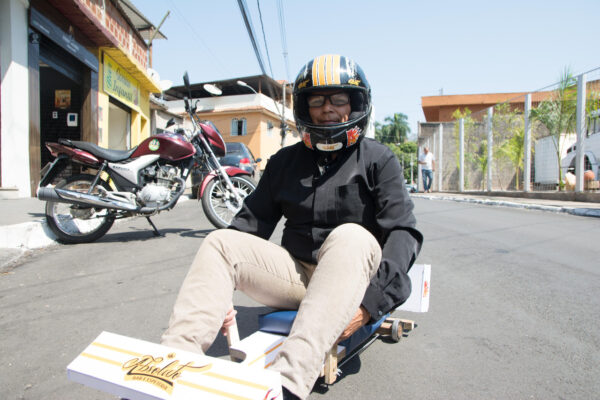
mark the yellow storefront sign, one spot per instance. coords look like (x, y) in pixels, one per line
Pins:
(120, 84)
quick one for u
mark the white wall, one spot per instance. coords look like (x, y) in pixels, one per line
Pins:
(546, 163)
(15, 96)
(371, 127)
(232, 102)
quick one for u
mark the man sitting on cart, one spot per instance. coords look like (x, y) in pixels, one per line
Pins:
(348, 242)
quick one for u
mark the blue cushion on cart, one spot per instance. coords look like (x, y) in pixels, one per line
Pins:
(277, 322)
(280, 322)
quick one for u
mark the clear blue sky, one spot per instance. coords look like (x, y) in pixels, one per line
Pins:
(407, 49)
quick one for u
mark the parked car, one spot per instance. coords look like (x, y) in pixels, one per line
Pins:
(410, 187)
(237, 155)
(591, 160)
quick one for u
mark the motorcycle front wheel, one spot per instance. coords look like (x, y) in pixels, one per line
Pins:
(73, 223)
(219, 203)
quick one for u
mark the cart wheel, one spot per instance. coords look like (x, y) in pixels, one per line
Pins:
(396, 331)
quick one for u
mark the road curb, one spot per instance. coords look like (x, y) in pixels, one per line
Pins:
(35, 234)
(16, 240)
(583, 212)
(27, 235)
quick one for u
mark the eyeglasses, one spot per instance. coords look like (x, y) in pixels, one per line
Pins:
(336, 99)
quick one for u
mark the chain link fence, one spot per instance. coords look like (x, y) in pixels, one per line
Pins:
(528, 143)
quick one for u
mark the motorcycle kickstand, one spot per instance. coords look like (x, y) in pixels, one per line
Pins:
(156, 231)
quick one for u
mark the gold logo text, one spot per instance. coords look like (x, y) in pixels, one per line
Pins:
(303, 84)
(149, 369)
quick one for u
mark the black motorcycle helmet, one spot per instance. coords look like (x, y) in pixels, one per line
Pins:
(332, 72)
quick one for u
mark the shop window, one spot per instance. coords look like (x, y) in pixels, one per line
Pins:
(238, 127)
(119, 126)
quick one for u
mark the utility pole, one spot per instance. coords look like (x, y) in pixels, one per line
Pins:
(580, 128)
(283, 125)
(412, 180)
(154, 32)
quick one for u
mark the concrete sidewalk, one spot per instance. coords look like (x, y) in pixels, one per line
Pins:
(534, 201)
(23, 223)
(23, 228)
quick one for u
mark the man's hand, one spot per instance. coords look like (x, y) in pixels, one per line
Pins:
(229, 320)
(360, 318)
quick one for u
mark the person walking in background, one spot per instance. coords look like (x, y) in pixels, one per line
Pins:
(427, 160)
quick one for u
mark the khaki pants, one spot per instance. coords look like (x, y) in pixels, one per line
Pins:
(326, 295)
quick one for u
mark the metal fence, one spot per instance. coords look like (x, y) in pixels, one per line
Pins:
(547, 140)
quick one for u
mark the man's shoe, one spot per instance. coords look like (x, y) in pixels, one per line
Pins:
(287, 395)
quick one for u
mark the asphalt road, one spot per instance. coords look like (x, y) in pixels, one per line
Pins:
(514, 311)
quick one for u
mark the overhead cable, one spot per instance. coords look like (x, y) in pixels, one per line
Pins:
(262, 26)
(250, 29)
(199, 37)
(283, 38)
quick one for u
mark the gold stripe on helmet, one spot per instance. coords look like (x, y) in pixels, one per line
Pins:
(315, 71)
(321, 68)
(333, 70)
(325, 65)
(326, 70)
(336, 69)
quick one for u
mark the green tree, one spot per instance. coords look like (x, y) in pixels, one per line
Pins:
(406, 152)
(509, 135)
(558, 114)
(480, 159)
(513, 149)
(395, 129)
(592, 104)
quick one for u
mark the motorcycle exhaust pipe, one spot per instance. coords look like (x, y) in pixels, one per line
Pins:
(82, 199)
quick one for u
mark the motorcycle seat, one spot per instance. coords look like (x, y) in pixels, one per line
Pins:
(106, 154)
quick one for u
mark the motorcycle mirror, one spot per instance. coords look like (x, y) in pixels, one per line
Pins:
(170, 122)
(186, 80)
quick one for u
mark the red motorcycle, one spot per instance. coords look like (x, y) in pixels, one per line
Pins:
(143, 181)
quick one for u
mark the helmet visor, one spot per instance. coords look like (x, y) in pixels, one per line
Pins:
(336, 99)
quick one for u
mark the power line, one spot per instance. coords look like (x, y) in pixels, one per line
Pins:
(250, 29)
(262, 26)
(199, 37)
(283, 38)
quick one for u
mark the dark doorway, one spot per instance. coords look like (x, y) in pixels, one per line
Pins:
(63, 88)
(60, 109)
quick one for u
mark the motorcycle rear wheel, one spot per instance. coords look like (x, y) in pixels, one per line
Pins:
(218, 202)
(73, 223)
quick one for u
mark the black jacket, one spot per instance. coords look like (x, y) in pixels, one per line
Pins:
(364, 185)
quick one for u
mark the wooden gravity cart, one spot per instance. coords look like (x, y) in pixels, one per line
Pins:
(260, 348)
